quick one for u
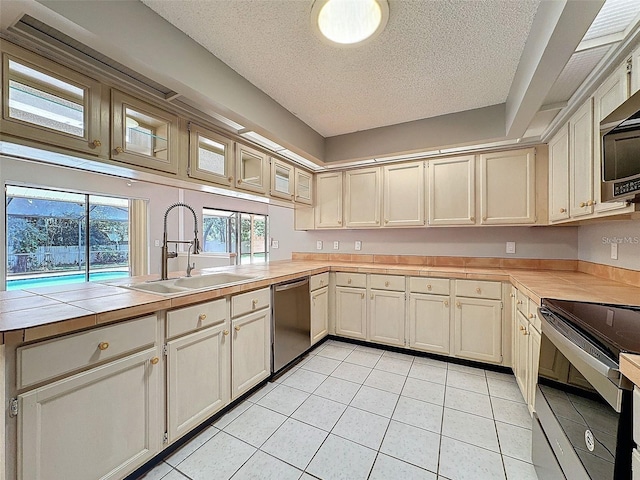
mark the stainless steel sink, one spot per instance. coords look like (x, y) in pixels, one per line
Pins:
(176, 286)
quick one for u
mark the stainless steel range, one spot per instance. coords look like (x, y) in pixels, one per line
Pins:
(583, 422)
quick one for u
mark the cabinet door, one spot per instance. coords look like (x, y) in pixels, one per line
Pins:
(210, 156)
(429, 318)
(611, 94)
(478, 329)
(362, 197)
(103, 423)
(351, 312)
(635, 71)
(142, 134)
(197, 378)
(319, 314)
(508, 187)
(303, 186)
(452, 194)
(559, 176)
(282, 179)
(386, 317)
(403, 195)
(581, 161)
(49, 103)
(252, 169)
(521, 357)
(329, 200)
(250, 351)
(532, 370)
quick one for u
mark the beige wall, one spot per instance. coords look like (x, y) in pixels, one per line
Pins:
(594, 243)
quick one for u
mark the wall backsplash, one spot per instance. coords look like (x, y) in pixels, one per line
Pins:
(594, 243)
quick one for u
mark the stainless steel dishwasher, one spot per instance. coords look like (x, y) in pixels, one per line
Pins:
(291, 322)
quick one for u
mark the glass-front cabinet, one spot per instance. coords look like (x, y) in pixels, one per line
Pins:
(210, 156)
(47, 102)
(252, 167)
(282, 179)
(303, 186)
(142, 134)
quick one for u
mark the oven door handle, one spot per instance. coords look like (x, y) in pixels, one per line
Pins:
(567, 346)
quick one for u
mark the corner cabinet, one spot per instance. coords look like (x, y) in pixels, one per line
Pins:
(451, 188)
(508, 187)
(403, 195)
(328, 209)
(363, 191)
(210, 156)
(252, 169)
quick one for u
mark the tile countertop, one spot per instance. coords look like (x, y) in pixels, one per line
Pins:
(40, 311)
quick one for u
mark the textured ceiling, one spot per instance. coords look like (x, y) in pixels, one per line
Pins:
(434, 57)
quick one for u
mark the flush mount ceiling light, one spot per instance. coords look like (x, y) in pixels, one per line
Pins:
(349, 22)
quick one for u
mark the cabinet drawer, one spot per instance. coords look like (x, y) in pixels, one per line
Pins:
(533, 317)
(250, 302)
(45, 360)
(435, 286)
(351, 280)
(522, 303)
(479, 289)
(318, 281)
(191, 318)
(388, 282)
(636, 415)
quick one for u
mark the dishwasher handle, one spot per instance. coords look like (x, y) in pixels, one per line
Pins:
(287, 286)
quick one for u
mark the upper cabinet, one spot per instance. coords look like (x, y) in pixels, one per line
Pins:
(508, 187)
(252, 169)
(363, 189)
(210, 156)
(303, 186)
(49, 103)
(403, 195)
(452, 191)
(581, 161)
(142, 134)
(559, 176)
(282, 179)
(328, 209)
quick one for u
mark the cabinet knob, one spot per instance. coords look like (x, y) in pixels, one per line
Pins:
(484, 219)
(519, 302)
(155, 360)
(521, 328)
(591, 203)
(371, 296)
(362, 295)
(446, 303)
(478, 291)
(339, 222)
(239, 181)
(473, 219)
(119, 150)
(254, 302)
(386, 221)
(202, 316)
(531, 315)
(512, 295)
(96, 143)
(349, 281)
(237, 328)
(524, 332)
(103, 345)
(428, 286)
(563, 210)
(458, 305)
(386, 284)
(582, 204)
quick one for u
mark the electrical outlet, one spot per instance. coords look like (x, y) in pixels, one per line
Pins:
(319, 245)
(336, 245)
(275, 244)
(511, 247)
(358, 245)
(614, 251)
(156, 243)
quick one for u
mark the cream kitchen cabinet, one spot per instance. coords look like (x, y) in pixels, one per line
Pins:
(477, 331)
(634, 84)
(251, 340)
(282, 179)
(198, 377)
(508, 187)
(521, 353)
(581, 161)
(319, 286)
(303, 187)
(387, 310)
(403, 194)
(559, 176)
(252, 169)
(211, 156)
(328, 208)
(429, 314)
(363, 191)
(351, 305)
(73, 427)
(47, 102)
(451, 187)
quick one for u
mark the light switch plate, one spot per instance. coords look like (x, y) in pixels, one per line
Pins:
(275, 244)
(511, 247)
(319, 245)
(614, 251)
(156, 243)
(358, 245)
(336, 245)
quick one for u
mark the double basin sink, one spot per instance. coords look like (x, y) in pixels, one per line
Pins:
(192, 284)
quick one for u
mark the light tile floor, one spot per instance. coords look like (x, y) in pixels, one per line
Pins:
(353, 412)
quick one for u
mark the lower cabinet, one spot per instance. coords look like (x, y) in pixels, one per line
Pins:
(521, 353)
(351, 312)
(534, 360)
(319, 314)
(387, 317)
(250, 351)
(198, 380)
(478, 329)
(429, 319)
(101, 423)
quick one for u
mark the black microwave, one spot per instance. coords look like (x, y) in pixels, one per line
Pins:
(620, 132)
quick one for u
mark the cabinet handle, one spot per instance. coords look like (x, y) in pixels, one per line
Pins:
(563, 210)
(524, 332)
(253, 304)
(473, 219)
(478, 291)
(96, 143)
(103, 345)
(155, 360)
(239, 181)
(386, 284)
(386, 221)
(484, 219)
(531, 315)
(339, 222)
(119, 150)
(237, 328)
(362, 295)
(512, 295)
(446, 303)
(458, 305)
(519, 302)
(582, 204)
(226, 332)
(591, 203)
(428, 286)
(230, 179)
(521, 328)
(202, 316)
